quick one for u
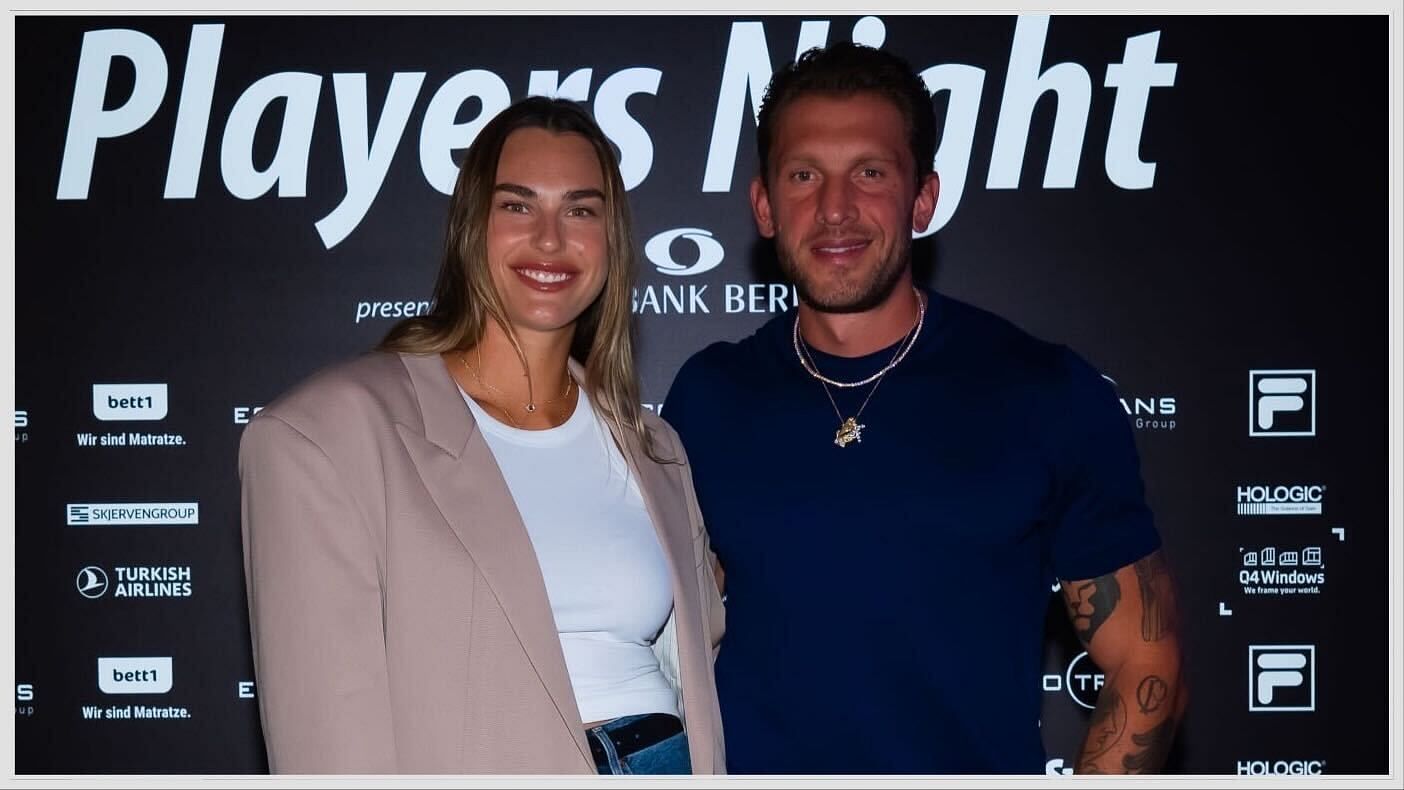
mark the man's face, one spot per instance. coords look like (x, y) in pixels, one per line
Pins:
(842, 199)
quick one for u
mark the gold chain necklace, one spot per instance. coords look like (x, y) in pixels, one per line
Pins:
(850, 430)
(530, 407)
(813, 370)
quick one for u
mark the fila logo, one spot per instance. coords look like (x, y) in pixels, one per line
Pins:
(1281, 678)
(1282, 403)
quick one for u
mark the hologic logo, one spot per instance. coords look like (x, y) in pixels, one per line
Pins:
(1281, 767)
(1282, 403)
(92, 582)
(659, 251)
(129, 402)
(1299, 500)
(148, 675)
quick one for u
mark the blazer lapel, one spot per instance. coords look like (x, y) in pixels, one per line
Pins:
(463, 478)
(660, 485)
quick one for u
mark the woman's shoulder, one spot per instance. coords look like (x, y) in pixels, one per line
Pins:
(372, 387)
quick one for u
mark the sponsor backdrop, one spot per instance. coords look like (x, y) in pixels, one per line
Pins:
(209, 209)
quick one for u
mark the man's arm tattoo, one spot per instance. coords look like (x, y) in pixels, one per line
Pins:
(1091, 603)
(1151, 693)
(1155, 747)
(1158, 616)
(1104, 729)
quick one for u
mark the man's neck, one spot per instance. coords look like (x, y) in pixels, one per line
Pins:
(860, 334)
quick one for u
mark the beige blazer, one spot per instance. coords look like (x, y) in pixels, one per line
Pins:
(400, 621)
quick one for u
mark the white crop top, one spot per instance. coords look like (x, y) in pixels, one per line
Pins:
(606, 575)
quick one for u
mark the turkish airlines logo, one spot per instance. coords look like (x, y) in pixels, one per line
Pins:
(92, 582)
(659, 251)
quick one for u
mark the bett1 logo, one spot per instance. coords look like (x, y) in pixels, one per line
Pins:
(129, 402)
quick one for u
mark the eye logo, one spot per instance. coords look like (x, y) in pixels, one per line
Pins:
(709, 252)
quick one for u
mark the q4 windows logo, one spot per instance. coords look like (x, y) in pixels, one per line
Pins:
(1282, 403)
(659, 250)
(1281, 678)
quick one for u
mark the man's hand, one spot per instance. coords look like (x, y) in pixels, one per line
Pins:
(1129, 624)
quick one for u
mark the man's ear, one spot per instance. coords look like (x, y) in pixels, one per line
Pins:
(924, 207)
(760, 207)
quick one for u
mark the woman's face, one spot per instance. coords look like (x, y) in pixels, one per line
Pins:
(546, 245)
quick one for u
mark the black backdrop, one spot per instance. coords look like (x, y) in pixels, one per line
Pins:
(1250, 258)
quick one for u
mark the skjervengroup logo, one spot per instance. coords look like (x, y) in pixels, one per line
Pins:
(1282, 402)
(129, 402)
(92, 582)
(133, 514)
(1293, 500)
(131, 675)
(137, 581)
(1281, 678)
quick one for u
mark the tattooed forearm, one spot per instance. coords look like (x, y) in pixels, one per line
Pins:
(1090, 603)
(1158, 613)
(1105, 729)
(1151, 693)
(1155, 746)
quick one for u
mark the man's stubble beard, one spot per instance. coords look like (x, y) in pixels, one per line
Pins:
(865, 297)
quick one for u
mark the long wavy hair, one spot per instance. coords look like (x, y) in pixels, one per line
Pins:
(465, 298)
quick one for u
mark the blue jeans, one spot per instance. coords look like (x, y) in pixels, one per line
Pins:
(668, 756)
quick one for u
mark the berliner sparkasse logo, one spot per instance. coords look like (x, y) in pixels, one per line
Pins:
(1282, 402)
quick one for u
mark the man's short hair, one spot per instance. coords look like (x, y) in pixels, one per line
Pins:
(843, 69)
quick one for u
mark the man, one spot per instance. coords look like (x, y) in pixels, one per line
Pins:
(893, 479)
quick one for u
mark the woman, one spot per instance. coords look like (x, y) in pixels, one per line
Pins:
(468, 552)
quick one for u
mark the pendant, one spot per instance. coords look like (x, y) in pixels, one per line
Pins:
(850, 431)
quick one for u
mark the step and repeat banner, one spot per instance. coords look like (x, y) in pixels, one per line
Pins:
(208, 209)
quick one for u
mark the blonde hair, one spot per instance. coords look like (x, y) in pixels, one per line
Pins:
(464, 295)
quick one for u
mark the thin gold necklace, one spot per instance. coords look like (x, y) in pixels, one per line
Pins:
(530, 406)
(850, 430)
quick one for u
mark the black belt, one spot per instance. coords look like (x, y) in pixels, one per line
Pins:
(639, 734)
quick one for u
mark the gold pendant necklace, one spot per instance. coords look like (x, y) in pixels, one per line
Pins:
(850, 430)
(530, 407)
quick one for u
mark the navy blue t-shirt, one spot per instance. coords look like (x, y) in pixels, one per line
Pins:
(886, 600)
